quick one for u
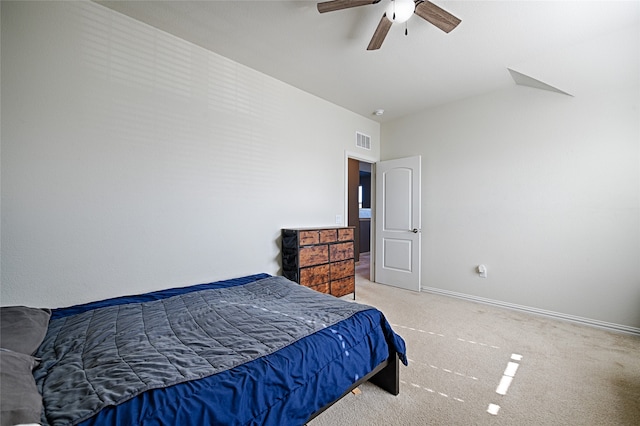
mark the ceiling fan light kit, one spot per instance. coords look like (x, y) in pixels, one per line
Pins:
(400, 10)
(397, 11)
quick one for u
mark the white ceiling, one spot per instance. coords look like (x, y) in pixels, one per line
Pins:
(325, 54)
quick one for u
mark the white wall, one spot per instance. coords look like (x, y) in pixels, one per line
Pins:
(541, 187)
(135, 161)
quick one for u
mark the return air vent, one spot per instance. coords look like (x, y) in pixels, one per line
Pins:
(363, 141)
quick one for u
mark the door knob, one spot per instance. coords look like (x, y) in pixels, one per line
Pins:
(414, 230)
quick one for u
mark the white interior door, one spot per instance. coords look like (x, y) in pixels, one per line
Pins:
(398, 228)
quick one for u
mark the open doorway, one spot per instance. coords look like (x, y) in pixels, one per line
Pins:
(359, 212)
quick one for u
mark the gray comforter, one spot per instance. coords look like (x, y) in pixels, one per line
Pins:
(106, 356)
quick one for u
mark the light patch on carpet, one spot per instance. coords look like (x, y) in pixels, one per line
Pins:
(508, 375)
(493, 409)
(442, 394)
(511, 369)
(446, 370)
(478, 343)
(503, 387)
(433, 333)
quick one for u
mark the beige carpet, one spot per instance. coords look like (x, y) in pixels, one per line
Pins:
(560, 373)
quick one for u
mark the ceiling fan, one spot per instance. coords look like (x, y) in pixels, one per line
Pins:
(397, 11)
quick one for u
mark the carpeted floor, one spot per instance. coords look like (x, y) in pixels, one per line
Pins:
(548, 372)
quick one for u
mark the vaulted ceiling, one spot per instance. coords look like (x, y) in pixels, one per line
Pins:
(325, 54)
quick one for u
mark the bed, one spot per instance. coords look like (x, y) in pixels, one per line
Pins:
(255, 350)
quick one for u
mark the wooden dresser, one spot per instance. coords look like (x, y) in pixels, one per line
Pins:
(320, 258)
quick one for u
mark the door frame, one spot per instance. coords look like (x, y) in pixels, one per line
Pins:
(371, 160)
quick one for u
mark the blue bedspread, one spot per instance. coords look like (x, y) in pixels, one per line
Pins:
(278, 388)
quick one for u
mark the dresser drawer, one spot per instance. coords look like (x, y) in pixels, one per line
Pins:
(343, 286)
(328, 236)
(341, 251)
(309, 237)
(322, 288)
(342, 269)
(313, 255)
(345, 234)
(314, 275)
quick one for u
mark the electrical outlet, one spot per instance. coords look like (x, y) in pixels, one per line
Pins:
(482, 271)
(338, 219)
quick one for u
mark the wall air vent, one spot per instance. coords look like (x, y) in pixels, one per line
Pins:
(363, 141)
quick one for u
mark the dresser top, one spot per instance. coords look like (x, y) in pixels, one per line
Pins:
(319, 228)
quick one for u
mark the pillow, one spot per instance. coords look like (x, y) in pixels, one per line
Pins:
(22, 329)
(21, 403)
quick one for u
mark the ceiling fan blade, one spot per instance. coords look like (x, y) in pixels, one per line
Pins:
(380, 34)
(330, 6)
(436, 15)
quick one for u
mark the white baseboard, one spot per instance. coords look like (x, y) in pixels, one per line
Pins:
(580, 320)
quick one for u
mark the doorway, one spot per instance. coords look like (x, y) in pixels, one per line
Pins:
(359, 205)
